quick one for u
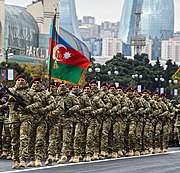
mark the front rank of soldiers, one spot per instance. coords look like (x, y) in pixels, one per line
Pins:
(82, 124)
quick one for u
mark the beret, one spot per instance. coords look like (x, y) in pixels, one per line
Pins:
(86, 85)
(104, 84)
(94, 81)
(36, 79)
(128, 89)
(21, 76)
(112, 85)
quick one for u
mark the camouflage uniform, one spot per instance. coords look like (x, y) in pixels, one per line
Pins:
(56, 104)
(81, 125)
(156, 123)
(20, 125)
(167, 116)
(92, 138)
(123, 113)
(147, 126)
(5, 138)
(106, 126)
(72, 105)
(129, 134)
(38, 126)
(115, 140)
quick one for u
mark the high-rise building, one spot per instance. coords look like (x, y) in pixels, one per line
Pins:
(157, 21)
(170, 50)
(111, 46)
(68, 18)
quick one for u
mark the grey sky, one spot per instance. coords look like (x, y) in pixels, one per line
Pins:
(102, 10)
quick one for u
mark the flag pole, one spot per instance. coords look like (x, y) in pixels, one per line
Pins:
(52, 46)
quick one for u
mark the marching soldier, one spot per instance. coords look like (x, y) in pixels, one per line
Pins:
(19, 120)
(71, 104)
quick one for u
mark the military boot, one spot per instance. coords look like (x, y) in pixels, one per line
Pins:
(137, 153)
(95, 156)
(120, 153)
(4, 154)
(114, 155)
(103, 154)
(63, 159)
(15, 165)
(87, 159)
(147, 151)
(155, 151)
(22, 164)
(71, 160)
(130, 153)
(49, 160)
(31, 164)
(143, 152)
(9, 157)
(38, 163)
(76, 159)
(57, 157)
(165, 150)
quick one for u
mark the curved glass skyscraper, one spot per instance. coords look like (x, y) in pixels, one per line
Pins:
(157, 20)
(68, 17)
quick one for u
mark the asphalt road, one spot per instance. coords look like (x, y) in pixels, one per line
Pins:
(158, 163)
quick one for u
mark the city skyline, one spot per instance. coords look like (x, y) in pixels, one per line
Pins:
(89, 9)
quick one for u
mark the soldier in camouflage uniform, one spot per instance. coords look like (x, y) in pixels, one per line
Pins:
(71, 104)
(147, 125)
(99, 110)
(38, 124)
(93, 124)
(80, 126)
(20, 124)
(156, 121)
(115, 142)
(106, 125)
(167, 115)
(122, 114)
(129, 134)
(54, 119)
(5, 138)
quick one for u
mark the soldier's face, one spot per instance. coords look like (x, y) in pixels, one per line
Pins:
(136, 93)
(87, 90)
(53, 88)
(112, 90)
(120, 91)
(104, 88)
(36, 84)
(156, 96)
(21, 81)
(62, 87)
(75, 88)
(93, 86)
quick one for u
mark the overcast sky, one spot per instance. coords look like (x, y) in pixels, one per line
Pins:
(102, 10)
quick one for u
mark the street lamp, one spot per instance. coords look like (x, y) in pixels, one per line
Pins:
(159, 79)
(96, 70)
(174, 91)
(137, 77)
(8, 53)
(115, 72)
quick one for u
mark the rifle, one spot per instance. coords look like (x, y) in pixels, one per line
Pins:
(18, 98)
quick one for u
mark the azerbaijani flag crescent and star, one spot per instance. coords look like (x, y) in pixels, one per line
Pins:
(65, 62)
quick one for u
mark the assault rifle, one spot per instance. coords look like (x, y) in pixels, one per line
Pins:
(19, 100)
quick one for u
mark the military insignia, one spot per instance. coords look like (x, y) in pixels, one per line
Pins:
(176, 75)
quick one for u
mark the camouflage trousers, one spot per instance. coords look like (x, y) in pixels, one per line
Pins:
(164, 135)
(20, 135)
(67, 146)
(6, 137)
(36, 140)
(129, 135)
(156, 128)
(147, 136)
(106, 126)
(90, 137)
(79, 139)
(55, 140)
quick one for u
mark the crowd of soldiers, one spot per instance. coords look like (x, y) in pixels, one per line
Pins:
(73, 124)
